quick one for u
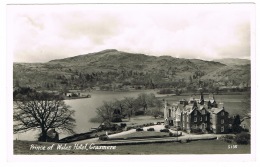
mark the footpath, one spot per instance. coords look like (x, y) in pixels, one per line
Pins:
(185, 137)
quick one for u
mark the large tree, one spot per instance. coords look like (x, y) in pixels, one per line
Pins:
(105, 112)
(131, 106)
(236, 124)
(44, 112)
(142, 100)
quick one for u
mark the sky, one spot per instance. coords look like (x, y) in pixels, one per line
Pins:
(40, 33)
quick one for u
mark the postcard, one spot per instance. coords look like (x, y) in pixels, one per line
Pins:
(132, 79)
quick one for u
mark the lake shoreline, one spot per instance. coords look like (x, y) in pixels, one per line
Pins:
(86, 108)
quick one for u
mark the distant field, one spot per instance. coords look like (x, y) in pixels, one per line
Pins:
(195, 147)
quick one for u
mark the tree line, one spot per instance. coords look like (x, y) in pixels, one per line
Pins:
(115, 111)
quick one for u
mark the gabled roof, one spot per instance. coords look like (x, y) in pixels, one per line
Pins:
(216, 110)
(200, 107)
(212, 101)
(189, 109)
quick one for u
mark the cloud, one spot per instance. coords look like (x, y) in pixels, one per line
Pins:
(44, 33)
(96, 28)
(242, 47)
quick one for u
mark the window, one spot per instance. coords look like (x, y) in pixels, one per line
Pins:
(169, 112)
(195, 112)
(206, 118)
(203, 111)
(222, 121)
(195, 126)
(222, 129)
(222, 113)
(200, 118)
(205, 125)
(187, 118)
(195, 119)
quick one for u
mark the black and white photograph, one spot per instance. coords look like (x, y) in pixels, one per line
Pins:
(131, 79)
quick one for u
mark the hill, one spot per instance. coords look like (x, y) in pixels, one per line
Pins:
(112, 69)
(232, 61)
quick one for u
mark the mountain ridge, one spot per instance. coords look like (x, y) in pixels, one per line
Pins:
(113, 67)
(233, 61)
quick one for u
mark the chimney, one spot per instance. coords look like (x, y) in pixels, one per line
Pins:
(221, 105)
(201, 99)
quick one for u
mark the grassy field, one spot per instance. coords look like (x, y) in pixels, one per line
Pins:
(195, 147)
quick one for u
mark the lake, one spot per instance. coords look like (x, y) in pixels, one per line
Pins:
(86, 108)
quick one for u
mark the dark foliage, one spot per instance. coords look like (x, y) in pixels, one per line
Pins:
(242, 138)
(122, 125)
(150, 129)
(164, 130)
(116, 118)
(139, 113)
(236, 124)
(139, 129)
(103, 137)
(228, 138)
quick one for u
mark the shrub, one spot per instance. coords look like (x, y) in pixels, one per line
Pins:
(245, 130)
(139, 129)
(103, 137)
(174, 134)
(123, 125)
(139, 113)
(228, 138)
(116, 118)
(164, 130)
(74, 95)
(177, 128)
(129, 128)
(150, 129)
(242, 138)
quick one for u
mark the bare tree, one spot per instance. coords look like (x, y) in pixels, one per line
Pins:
(159, 104)
(105, 112)
(151, 100)
(119, 104)
(43, 113)
(131, 105)
(246, 108)
(142, 99)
